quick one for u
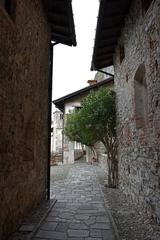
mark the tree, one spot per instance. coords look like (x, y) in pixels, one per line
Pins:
(74, 130)
(96, 121)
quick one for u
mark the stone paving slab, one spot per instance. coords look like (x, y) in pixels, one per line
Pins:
(32, 222)
(79, 213)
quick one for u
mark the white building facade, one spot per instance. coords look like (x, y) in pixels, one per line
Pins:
(56, 135)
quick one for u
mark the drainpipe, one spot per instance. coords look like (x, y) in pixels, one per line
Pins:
(109, 74)
(49, 116)
(63, 140)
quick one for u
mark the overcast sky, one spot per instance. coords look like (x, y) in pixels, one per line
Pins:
(71, 65)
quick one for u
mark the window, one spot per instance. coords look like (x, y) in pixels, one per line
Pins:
(145, 5)
(141, 97)
(61, 116)
(77, 108)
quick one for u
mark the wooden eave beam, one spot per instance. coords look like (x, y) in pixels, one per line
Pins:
(61, 36)
(106, 59)
(109, 48)
(108, 42)
(57, 19)
(59, 29)
(110, 32)
(104, 56)
(101, 65)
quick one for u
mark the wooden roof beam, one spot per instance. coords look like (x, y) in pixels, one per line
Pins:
(104, 56)
(59, 28)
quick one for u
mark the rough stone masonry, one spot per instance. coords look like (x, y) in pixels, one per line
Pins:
(24, 70)
(137, 83)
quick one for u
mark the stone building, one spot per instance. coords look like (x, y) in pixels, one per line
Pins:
(26, 30)
(67, 104)
(128, 37)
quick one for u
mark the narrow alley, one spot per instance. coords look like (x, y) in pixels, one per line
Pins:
(82, 207)
(79, 212)
(80, 120)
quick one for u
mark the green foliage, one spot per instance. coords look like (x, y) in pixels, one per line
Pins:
(95, 120)
(99, 112)
(74, 129)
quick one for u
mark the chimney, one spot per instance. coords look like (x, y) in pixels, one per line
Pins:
(92, 82)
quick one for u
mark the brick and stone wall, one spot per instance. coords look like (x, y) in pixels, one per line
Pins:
(24, 76)
(102, 157)
(137, 61)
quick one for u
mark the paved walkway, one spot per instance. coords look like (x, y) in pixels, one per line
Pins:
(79, 213)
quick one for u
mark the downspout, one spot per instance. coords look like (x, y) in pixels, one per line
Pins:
(49, 116)
(63, 141)
(107, 73)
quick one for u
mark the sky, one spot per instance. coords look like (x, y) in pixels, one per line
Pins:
(71, 65)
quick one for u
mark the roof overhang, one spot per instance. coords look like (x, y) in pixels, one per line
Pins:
(110, 22)
(60, 17)
(60, 102)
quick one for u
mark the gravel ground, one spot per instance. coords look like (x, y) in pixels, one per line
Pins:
(131, 222)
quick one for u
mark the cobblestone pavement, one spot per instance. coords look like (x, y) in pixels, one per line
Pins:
(79, 213)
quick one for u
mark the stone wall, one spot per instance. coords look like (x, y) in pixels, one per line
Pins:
(78, 154)
(102, 157)
(89, 155)
(24, 68)
(137, 83)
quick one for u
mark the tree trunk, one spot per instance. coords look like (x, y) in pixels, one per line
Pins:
(94, 158)
(112, 162)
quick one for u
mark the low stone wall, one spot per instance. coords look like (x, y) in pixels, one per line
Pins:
(88, 155)
(102, 160)
(101, 155)
(78, 153)
(56, 159)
